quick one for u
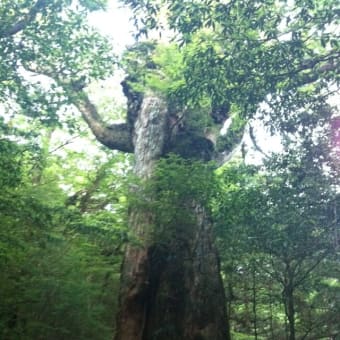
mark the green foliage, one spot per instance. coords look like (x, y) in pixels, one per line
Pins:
(60, 250)
(249, 52)
(276, 229)
(233, 136)
(10, 174)
(154, 67)
(60, 254)
(188, 179)
(176, 185)
(44, 42)
(137, 62)
(94, 5)
(167, 76)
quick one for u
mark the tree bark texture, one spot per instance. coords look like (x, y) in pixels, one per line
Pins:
(290, 311)
(170, 292)
(288, 296)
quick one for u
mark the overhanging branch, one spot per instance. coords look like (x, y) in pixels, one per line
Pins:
(254, 141)
(28, 18)
(233, 140)
(116, 136)
(314, 68)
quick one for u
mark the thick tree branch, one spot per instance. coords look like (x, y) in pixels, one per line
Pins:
(316, 67)
(225, 153)
(28, 18)
(116, 136)
(332, 66)
(221, 158)
(254, 141)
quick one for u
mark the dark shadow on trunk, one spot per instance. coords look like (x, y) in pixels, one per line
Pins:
(174, 291)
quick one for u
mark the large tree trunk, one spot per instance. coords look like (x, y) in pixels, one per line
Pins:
(173, 292)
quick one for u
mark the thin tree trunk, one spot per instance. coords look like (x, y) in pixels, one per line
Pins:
(271, 311)
(290, 312)
(288, 296)
(254, 300)
(228, 311)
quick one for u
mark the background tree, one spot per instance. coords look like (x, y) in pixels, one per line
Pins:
(60, 259)
(284, 233)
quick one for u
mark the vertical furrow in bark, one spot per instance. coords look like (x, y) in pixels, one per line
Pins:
(187, 299)
(207, 292)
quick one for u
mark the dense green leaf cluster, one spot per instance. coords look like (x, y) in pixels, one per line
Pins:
(249, 52)
(176, 186)
(277, 230)
(60, 251)
(44, 44)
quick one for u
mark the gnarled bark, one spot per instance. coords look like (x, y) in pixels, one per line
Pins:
(186, 296)
(173, 292)
(117, 136)
(170, 292)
